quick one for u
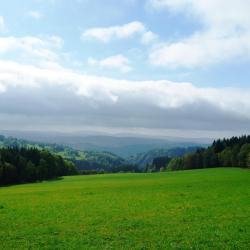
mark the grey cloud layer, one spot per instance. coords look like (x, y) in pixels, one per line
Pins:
(58, 96)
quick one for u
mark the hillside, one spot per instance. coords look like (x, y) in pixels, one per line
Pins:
(147, 158)
(84, 160)
(198, 209)
(100, 161)
(232, 152)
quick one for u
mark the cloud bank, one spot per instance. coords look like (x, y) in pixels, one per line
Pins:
(57, 96)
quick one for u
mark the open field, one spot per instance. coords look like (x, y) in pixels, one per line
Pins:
(202, 209)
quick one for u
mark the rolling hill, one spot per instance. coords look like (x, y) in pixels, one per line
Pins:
(84, 160)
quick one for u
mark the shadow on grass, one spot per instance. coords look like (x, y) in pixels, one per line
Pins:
(24, 183)
(54, 179)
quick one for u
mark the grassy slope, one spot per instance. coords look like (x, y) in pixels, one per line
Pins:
(205, 209)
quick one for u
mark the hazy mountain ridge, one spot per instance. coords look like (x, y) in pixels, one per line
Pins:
(142, 159)
(123, 146)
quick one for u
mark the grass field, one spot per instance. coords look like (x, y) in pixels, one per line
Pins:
(201, 209)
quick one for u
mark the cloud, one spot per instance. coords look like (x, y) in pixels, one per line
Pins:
(225, 36)
(149, 37)
(125, 31)
(201, 50)
(35, 14)
(114, 32)
(118, 62)
(2, 24)
(30, 48)
(51, 96)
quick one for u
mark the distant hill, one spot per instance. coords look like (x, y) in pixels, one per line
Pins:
(125, 146)
(84, 160)
(104, 160)
(143, 159)
(118, 145)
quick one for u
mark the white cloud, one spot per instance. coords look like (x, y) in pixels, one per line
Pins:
(31, 48)
(149, 37)
(118, 62)
(2, 24)
(114, 32)
(120, 32)
(226, 34)
(35, 14)
(201, 50)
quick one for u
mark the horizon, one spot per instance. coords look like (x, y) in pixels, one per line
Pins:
(42, 135)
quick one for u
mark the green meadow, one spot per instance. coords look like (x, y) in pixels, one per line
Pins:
(199, 209)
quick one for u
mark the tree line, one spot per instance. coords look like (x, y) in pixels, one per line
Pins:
(233, 152)
(23, 165)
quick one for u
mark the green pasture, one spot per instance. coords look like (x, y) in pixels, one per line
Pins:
(199, 209)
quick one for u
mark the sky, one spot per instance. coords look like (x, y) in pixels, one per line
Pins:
(141, 67)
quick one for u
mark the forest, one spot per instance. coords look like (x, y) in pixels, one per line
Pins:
(24, 165)
(233, 152)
